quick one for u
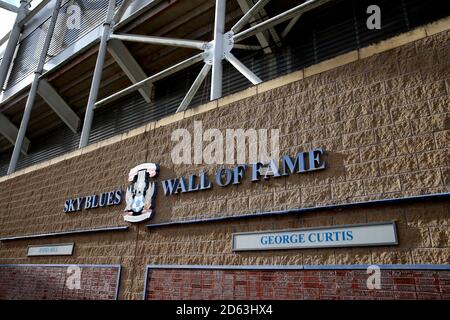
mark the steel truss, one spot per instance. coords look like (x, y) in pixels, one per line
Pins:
(213, 54)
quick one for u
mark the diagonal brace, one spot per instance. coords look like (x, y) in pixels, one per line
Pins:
(59, 105)
(8, 6)
(246, 72)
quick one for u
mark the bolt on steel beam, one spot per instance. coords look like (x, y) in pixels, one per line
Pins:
(247, 16)
(33, 12)
(246, 72)
(14, 36)
(193, 44)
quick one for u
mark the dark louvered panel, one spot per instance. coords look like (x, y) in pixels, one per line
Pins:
(93, 13)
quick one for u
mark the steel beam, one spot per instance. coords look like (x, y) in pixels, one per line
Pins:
(10, 131)
(93, 93)
(217, 53)
(33, 12)
(282, 17)
(243, 69)
(12, 43)
(130, 67)
(33, 90)
(194, 88)
(57, 103)
(158, 76)
(192, 44)
(8, 6)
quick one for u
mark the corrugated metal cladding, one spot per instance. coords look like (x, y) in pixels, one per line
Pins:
(30, 47)
(319, 35)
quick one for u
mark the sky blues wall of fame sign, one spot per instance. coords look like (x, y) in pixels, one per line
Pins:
(64, 249)
(141, 192)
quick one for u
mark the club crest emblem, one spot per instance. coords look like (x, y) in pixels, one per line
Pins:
(141, 192)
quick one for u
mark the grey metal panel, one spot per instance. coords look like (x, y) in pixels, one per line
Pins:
(130, 66)
(70, 51)
(27, 56)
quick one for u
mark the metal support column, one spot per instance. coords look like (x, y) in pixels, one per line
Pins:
(246, 72)
(217, 68)
(290, 25)
(33, 90)
(93, 94)
(12, 43)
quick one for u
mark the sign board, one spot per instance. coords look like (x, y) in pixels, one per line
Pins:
(376, 234)
(65, 249)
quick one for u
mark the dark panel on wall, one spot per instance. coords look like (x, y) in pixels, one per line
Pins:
(30, 47)
(207, 284)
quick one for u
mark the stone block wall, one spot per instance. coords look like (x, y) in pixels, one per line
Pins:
(53, 282)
